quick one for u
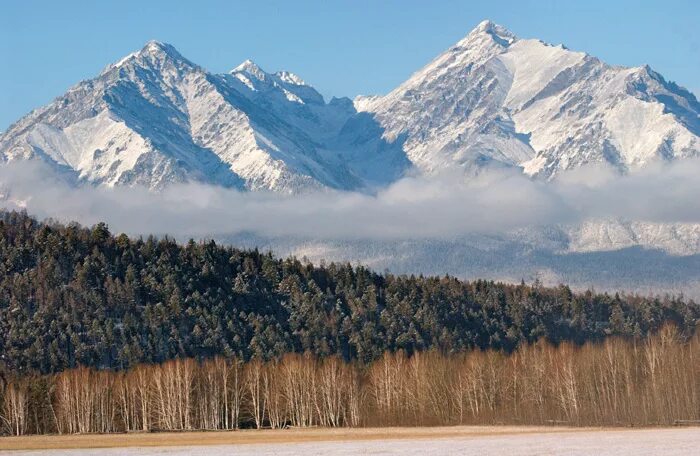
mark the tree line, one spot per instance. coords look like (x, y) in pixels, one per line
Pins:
(615, 382)
(72, 296)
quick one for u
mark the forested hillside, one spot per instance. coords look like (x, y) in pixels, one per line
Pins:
(72, 296)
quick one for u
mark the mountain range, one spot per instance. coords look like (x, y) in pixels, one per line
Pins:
(154, 118)
(492, 99)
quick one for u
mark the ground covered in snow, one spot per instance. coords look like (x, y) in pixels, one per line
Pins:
(420, 441)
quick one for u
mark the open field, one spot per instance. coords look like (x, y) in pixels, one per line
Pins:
(511, 440)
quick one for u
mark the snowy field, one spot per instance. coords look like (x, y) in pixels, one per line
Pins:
(682, 441)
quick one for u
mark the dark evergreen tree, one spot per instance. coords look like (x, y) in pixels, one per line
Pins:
(72, 296)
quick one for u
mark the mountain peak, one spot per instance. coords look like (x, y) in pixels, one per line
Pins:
(496, 32)
(152, 51)
(154, 44)
(251, 69)
(155, 47)
(248, 66)
(290, 78)
(485, 25)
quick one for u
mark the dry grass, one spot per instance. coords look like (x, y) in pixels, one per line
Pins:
(43, 442)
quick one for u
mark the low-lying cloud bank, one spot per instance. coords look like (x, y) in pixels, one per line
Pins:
(438, 207)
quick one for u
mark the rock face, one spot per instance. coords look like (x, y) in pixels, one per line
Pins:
(156, 118)
(495, 99)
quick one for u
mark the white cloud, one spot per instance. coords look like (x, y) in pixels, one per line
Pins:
(445, 206)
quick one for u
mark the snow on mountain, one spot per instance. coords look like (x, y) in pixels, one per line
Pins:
(536, 254)
(493, 99)
(496, 99)
(155, 118)
(127, 126)
(595, 236)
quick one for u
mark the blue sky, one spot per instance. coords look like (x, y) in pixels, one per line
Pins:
(343, 48)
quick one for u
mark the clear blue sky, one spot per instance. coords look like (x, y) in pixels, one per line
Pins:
(343, 48)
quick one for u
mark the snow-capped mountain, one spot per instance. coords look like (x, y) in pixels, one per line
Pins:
(492, 100)
(155, 118)
(496, 99)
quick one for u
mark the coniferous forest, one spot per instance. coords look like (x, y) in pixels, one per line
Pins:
(103, 333)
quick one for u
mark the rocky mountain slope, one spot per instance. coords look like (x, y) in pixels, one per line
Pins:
(496, 99)
(492, 99)
(156, 118)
